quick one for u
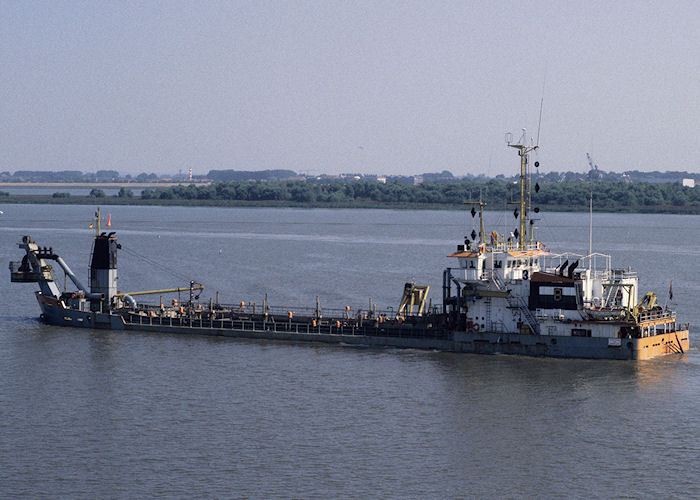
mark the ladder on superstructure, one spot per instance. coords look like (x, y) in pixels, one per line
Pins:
(517, 303)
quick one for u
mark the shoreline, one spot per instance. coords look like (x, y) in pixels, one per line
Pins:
(135, 201)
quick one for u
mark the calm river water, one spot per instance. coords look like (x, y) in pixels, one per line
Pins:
(133, 415)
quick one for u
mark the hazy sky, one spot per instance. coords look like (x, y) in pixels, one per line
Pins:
(347, 86)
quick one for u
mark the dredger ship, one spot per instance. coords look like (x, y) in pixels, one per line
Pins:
(507, 295)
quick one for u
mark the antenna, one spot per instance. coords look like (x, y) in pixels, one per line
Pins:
(590, 222)
(539, 123)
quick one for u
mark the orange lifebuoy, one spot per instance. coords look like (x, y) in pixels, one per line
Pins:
(475, 327)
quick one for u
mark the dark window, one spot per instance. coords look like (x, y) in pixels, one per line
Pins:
(580, 332)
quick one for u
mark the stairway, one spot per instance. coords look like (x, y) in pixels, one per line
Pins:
(516, 303)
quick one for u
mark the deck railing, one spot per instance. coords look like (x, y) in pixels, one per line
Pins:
(295, 327)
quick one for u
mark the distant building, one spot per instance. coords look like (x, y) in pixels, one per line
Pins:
(381, 179)
(417, 179)
(689, 183)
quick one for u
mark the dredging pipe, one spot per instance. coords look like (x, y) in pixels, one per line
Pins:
(76, 281)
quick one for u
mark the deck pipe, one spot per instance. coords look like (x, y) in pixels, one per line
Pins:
(76, 281)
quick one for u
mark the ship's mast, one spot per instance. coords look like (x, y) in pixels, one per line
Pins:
(482, 230)
(95, 226)
(590, 226)
(523, 151)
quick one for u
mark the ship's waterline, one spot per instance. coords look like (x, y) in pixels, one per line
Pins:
(508, 293)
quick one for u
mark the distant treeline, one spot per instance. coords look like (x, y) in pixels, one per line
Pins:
(444, 177)
(607, 195)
